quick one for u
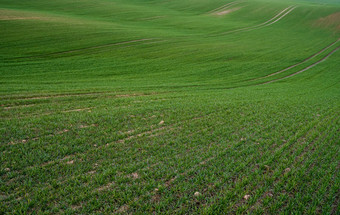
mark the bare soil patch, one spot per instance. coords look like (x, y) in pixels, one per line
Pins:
(225, 12)
(7, 15)
(4, 18)
(331, 21)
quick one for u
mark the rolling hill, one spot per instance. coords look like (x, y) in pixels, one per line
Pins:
(169, 106)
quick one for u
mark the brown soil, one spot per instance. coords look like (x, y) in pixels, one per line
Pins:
(331, 21)
(225, 12)
(7, 15)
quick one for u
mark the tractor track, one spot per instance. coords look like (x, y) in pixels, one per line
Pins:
(269, 22)
(223, 7)
(84, 49)
(305, 69)
(298, 64)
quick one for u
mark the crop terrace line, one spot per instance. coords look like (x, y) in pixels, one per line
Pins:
(278, 151)
(167, 183)
(278, 181)
(321, 136)
(110, 184)
(68, 157)
(239, 180)
(293, 163)
(170, 182)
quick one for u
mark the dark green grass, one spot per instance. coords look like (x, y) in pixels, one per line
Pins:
(92, 122)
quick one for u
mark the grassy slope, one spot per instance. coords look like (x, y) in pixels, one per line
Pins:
(81, 112)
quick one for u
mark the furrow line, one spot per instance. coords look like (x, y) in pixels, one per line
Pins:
(250, 160)
(278, 152)
(296, 161)
(284, 182)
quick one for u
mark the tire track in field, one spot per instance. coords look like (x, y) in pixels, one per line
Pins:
(88, 48)
(269, 22)
(303, 70)
(223, 7)
(293, 8)
(304, 61)
(224, 10)
(83, 94)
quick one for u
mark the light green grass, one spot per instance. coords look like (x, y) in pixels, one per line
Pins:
(115, 106)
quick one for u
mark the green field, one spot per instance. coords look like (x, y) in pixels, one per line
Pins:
(169, 107)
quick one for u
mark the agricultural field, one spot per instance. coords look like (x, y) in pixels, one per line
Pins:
(169, 107)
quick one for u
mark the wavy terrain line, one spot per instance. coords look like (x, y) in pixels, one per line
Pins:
(88, 48)
(305, 69)
(295, 65)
